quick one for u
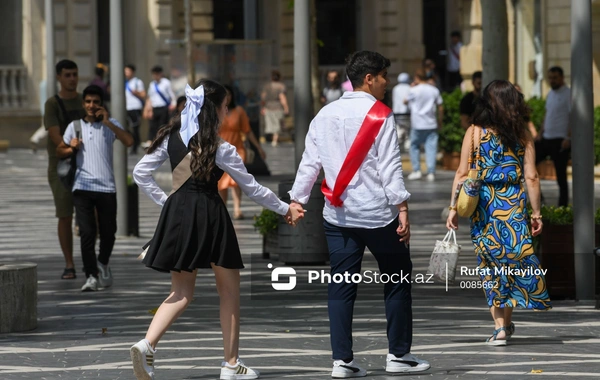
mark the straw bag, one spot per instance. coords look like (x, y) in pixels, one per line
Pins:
(445, 258)
(468, 198)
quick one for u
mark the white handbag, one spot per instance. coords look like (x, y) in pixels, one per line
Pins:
(445, 258)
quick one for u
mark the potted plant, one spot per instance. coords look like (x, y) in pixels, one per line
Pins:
(266, 223)
(451, 133)
(557, 250)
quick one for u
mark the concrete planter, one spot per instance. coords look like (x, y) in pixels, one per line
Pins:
(18, 297)
(450, 161)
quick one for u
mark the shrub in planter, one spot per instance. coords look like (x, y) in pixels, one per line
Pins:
(451, 133)
(266, 223)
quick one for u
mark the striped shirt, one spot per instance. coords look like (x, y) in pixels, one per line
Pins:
(95, 157)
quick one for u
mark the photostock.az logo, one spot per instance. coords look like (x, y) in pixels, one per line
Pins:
(283, 271)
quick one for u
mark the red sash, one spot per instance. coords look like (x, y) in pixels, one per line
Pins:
(358, 151)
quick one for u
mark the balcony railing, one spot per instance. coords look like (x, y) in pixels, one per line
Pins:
(13, 87)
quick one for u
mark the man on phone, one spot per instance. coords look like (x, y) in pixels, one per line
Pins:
(94, 188)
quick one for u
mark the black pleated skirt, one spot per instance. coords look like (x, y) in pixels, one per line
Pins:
(193, 231)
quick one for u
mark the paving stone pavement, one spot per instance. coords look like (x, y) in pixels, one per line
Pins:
(88, 335)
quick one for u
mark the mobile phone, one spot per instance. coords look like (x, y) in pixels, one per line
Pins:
(100, 118)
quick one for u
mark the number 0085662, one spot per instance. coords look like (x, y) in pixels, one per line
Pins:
(476, 284)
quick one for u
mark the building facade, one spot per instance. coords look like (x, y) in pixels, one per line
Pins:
(406, 31)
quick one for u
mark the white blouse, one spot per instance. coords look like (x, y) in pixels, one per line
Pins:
(377, 187)
(227, 159)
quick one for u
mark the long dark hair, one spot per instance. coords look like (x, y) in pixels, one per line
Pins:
(502, 108)
(203, 161)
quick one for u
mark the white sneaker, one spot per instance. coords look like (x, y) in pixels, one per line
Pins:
(91, 284)
(415, 175)
(407, 363)
(239, 371)
(431, 177)
(105, 278)
(343, 370)
(142, 356)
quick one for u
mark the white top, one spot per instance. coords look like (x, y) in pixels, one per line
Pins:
(164, 86)
(454, 57)
(377, 187)
(399, 94)
(558, 108)
(227, 159)
(423, 100)
(132, 102)
(95, 157)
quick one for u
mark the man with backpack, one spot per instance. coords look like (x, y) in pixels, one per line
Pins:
(59, 111)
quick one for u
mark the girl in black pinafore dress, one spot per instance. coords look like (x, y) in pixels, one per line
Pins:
(194, 229)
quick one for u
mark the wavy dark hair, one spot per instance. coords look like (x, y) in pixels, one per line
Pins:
(203, 161)
(502, 108)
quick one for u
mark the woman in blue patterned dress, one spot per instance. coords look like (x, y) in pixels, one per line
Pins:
(500, 226)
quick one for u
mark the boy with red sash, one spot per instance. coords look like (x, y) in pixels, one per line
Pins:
(354, 141)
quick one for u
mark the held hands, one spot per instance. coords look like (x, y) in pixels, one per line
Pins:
(295, 213)
(452, 221)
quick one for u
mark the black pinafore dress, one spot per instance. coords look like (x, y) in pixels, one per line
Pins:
(194, 228)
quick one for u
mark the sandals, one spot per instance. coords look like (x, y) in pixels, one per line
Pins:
(510, 330)
(68, 274)
(494, 341)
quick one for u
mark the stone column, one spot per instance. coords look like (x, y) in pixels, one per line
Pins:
(470, 53)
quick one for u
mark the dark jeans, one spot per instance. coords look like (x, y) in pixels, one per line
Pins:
(87, 204)
(454, 80)
(552, 148)
(160, 117)
(346, 250)
(133, 119)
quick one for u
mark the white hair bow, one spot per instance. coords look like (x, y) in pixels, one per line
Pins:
(194, 99)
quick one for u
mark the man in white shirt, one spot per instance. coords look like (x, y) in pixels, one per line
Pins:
(161, 100)
(135, 96)
(367, 208)
(424, 101)
(94, 191)
(401, 111)
(453, 68)
(554, 139)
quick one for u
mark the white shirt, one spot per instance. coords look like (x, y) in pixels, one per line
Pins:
(95, 157)
(423, 100)
(132, 102)
(399, 95)
(377, 187)
(227, 159)
(454, 57)
(558, 108)
(164, 87)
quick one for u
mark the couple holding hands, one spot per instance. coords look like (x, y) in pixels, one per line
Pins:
(354, 141)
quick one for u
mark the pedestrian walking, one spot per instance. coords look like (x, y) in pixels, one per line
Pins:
(194, 229)
(160, 101)
(468, 102)
(236, 125)
(333, 89)
(504, 153)
(554, 138)
(453, 67)
(401, 110)
(426, 115)
(59, 111)
(275, 106)
(135, 97)
(354, 141)
(94, 191)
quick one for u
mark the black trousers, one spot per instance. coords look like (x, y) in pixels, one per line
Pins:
(160, 117)
(133, 119)
(560, 157)
(87, 205)
(346, 250)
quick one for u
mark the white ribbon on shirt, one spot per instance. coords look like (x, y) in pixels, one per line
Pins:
(189, 116)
